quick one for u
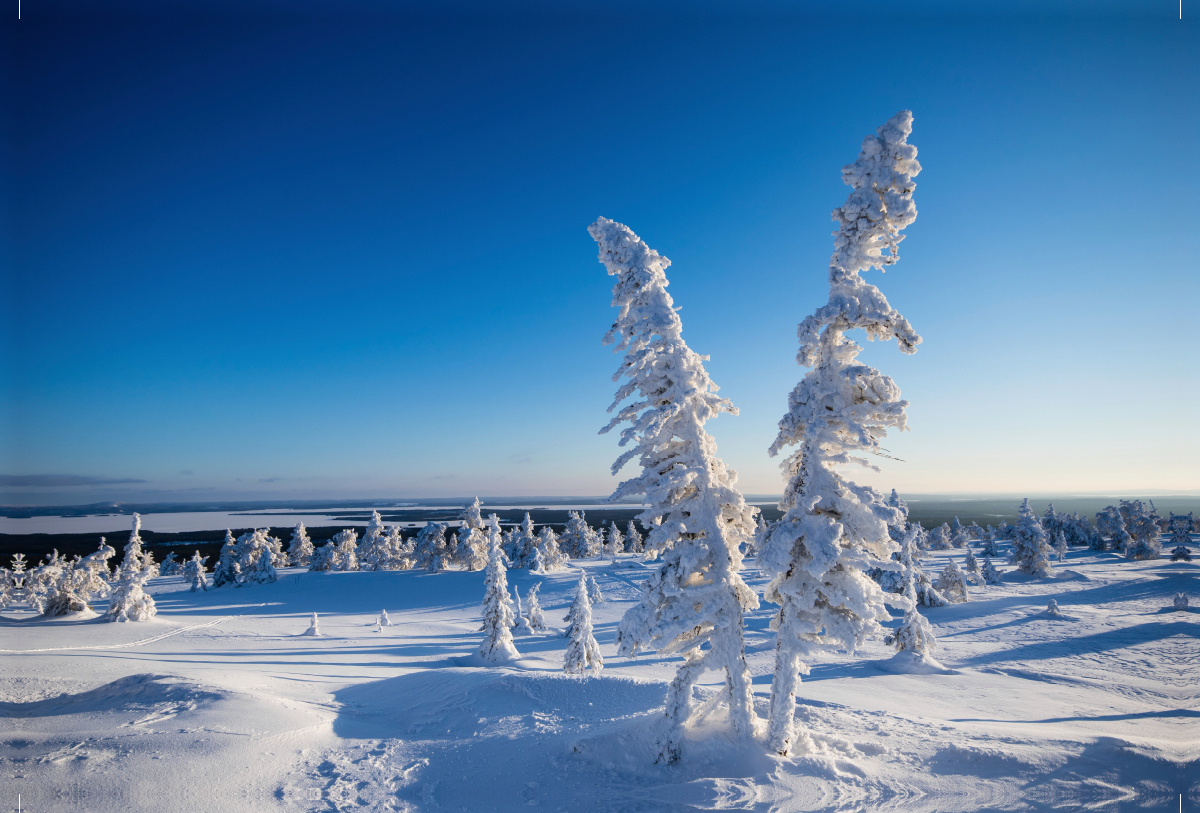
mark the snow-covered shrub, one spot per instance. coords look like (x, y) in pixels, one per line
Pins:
(314, 626)
(633, 539)
(1180, 602)
(989, 572)
(1031, 547)
(129, 602)
(939, 538)
(579, 540)
(76, 584)
(193, 572)
(697, 519)
(1181, 554)
(959, 537)
(533, 610)
(8, 587)
(551, 555)
(1180, 526)
(952, 583)
(521, 624)
(170, 566)
(431, 551)
(974, 532)
(1052, 608)
(833, 529)
(498, 615)
(300, 548)
(227, 570)
(470, 545)
(582, 650)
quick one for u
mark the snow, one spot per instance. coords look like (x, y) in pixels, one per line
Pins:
(222, 689)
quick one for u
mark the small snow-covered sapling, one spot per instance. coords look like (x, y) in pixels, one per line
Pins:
(1181, 601)
(383, 619)
(582, 650)
(533, 610)
(1052, 608)
(314, 626)
(520, 624)
(594, 594)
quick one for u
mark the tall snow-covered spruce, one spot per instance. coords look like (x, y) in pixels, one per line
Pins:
(695, 601)
(833, 530)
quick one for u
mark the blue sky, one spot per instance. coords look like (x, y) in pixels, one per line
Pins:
(268, 256)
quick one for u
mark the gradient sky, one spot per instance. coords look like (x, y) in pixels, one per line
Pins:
(257, 255)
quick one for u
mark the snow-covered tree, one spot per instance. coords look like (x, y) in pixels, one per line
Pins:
(697, 519)
(520, 624)
(582, 650)
(371, 548)
(939, 538)
(470, 547)
(959, 537)
(8, 588)
(322, 558)
(498, 615)
(1144, 533)
(914, 634)
(1052, 608)
(974, 532)
(614, 541)
(193, 572)
(314, 626)
(1110, 523)
(533, 610)
(391, 552)
(1060, 545)
(1051, 522)
(73, 589)
(134, 555)
(227, 570)
(1006, 531)
(431, 551)
(300, 548)
(170, 566)
(952, 583)
(579, 540)
(633, 539)
(551, 555)
(594, 594)
(972, 565)
(1181, 554)
(129, 601)
(1031, 548)
(989, 572)
(255, 558)
(833, 530)
(345, 552)
(524, 553)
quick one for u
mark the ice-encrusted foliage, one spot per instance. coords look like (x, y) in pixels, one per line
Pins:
(834, 530)
(939, 538)
(193, 572)
(129, 601)
(959, 536)
(498, 614)
(431, 551)
(300, 549)
(697, 519)
(582, 650)
(470, 545)
(1031, 547)
(579, 540)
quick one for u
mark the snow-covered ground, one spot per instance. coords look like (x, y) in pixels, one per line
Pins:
(219, 704)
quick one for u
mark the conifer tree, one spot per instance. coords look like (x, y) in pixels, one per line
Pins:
(524, 545)
(384, 621)
(193, 572)
(1031, 547)
(323, 558)
(952, 583)
(582, 650)
(314, 626)
(939, 538)
(833, 530)
(990, 545)
(989, 572)
(498, 615)
(551, 555)
(470, 548)
(300, 549)
(1144, 532)
(633, 539)
(345, 552)
(533, 610)
(227, 570)
(431, 551)
(521, 624)
(256, 559)
(1060, 545)
(134, 556)
(697, 518)
(372, 549)
(614, 541)
(1052, 608)
(914, 634)
(1181, 554)
(170, 565)
(129, 602)
(578, 540)
(972, 565)
(1110, 523)
(594, 594)
(958, 535)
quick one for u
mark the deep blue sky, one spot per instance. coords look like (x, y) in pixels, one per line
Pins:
(346, 254)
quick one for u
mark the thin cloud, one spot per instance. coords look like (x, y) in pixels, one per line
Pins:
(60, 480)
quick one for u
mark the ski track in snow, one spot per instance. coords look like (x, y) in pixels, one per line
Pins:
(1095, 709)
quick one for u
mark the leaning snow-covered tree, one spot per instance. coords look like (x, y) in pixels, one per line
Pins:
(833, 530)
(300, 549)
(1031, 546)
(695, 601)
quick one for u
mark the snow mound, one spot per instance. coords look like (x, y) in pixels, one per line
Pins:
(908, 662)
(127, 693)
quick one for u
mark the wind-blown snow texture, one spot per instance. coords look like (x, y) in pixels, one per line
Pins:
(220, 704)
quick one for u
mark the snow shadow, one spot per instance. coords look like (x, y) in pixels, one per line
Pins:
(1097, 643)
(132, 692)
